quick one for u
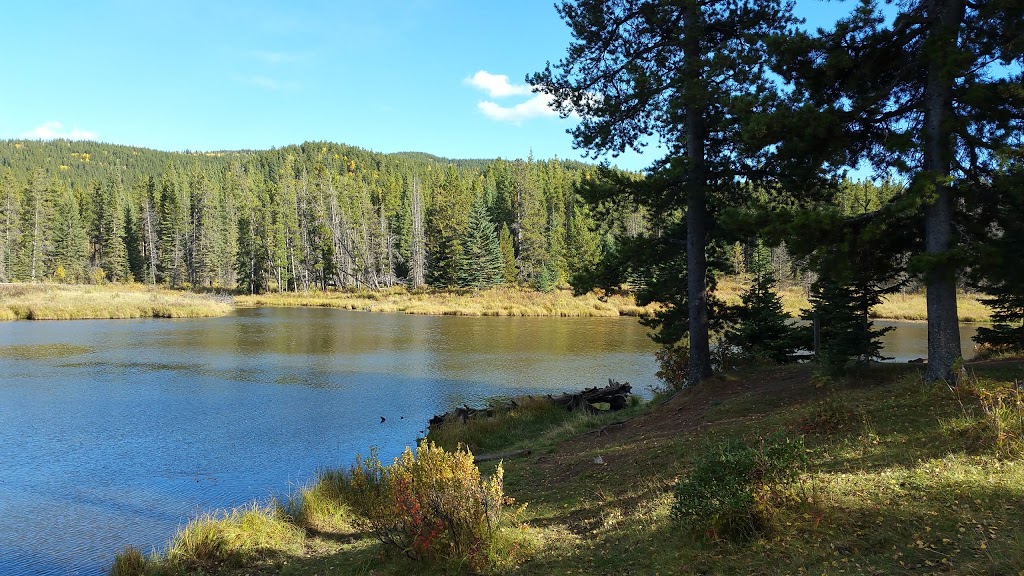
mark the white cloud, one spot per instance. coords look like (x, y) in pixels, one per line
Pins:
(497, 85)
(54, 130)
(537, 107)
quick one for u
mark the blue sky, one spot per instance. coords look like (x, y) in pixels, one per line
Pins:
(437, 76)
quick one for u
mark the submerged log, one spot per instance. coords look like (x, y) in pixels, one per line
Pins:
(615, 394)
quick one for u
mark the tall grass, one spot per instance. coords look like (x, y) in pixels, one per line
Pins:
(213, 541)
(493, 302)
(909, 307)
(319, 506)
(74, 302)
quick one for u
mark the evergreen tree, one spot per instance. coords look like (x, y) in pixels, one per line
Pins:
(840, 310)
(70, 244)
(481, 265)
(446, 223)
(34, 228)
(763, 329)
(689, 73)
(934, 96)
(173, 229)
(113, 250)
(10, 205)
(999, 272)
(509, 273)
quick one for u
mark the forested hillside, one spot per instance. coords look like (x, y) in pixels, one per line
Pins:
(299, 217)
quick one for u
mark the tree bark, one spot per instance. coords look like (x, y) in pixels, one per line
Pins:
(696, 209)
(943, 329)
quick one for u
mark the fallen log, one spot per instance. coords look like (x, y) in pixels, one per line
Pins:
(615, 394)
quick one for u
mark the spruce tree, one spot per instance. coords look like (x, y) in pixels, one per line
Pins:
(762, 328)
(446, 225)
(481, 262)
(113, 250)
(840, 308)
(173, 228)
(999, 272)
(509, 271)
(68, 257)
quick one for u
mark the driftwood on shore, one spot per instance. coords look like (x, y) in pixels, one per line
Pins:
(615, 394)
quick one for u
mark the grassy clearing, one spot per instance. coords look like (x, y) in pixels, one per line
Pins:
(494, 302)
(908, 307)
(74, 302)
(900, 477)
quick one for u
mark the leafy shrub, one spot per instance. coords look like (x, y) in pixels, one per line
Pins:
(431, 505)
(673, 364)
(733, 487)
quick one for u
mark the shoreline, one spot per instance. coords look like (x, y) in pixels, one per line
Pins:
(128, 301)
(853, 439)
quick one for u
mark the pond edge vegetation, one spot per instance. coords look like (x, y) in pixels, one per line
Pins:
(771, 466)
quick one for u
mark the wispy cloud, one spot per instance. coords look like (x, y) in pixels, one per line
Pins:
(272, 57)
(497, 85)
(54, 130)
(537, 107)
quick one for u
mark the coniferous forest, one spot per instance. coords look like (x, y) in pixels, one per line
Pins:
(314, 216)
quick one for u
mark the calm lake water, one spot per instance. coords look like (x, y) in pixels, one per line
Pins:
(116, 432)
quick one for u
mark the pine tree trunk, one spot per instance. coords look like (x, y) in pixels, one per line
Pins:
(943, 327)
(696, 212)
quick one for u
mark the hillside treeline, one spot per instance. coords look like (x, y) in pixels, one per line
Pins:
(312, 216)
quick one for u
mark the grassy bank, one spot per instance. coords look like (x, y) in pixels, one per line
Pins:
(73, 302)
(68, 302)
(899, 476)
(494, 302)
(908, 307)
(522, 302)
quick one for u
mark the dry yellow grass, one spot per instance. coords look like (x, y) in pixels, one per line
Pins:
(494, 302)
(74, 302)
(908, 307)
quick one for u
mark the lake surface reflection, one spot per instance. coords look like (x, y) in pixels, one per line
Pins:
(115, 432)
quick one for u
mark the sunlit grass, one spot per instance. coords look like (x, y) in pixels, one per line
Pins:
(247, 534)
(115, 301)
(908, 307)
(493, 302)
